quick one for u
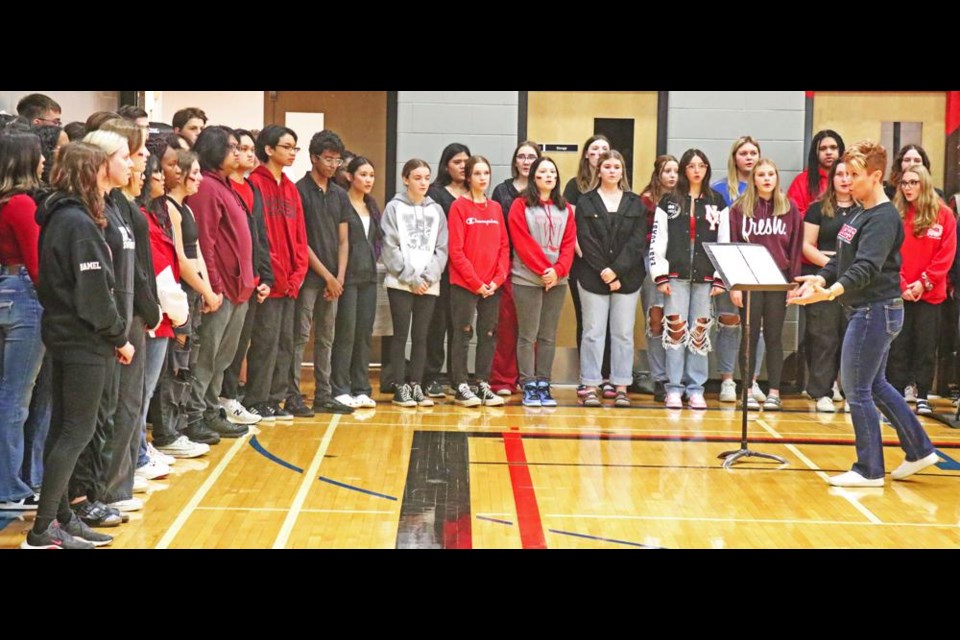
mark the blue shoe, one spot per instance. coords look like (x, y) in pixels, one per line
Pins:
(531, 395)
(546, 400)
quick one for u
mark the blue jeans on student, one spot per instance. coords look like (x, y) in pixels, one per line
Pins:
(153, 366)
(728, 336)
(649, 298)
(687, 363)
(621, 311)
(863, 363)
(22, 353)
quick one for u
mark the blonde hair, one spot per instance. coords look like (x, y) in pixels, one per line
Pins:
(927, 205)
(108, 141)
(733, 176)
(750, 198)
(612, 154)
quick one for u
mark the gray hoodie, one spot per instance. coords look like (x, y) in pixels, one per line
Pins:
(414, 243)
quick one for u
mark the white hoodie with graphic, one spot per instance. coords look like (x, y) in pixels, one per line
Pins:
(414, 243)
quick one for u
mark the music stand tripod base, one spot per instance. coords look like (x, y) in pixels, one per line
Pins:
(733, 456)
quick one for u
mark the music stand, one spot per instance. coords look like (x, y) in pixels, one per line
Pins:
(746, 267)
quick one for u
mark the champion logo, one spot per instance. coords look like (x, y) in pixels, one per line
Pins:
(846, 233)
(935, 232)
(90, 266)
(479, 221)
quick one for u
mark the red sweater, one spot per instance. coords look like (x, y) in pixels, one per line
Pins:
(798, 190)
(479, 245)
(932, 253)
(164, 255)
(781, 235)
(530, 244)
(20, 235)
(286, 230)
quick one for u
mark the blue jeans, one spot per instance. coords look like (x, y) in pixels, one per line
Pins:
(621, 310)
(728, 336)
(20, 314)
(649, 298)
(153, 366)
(863, 363)
(687, 363)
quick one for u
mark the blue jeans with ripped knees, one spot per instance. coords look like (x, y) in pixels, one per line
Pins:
(863, 363)
(687, 364)
(649, 298)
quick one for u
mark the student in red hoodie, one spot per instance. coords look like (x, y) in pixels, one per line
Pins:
(825, 149)
(271, 354)
(765, 216)
(929, 246)
(479, 264)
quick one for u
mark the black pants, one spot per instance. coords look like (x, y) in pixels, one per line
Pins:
(87, 480)
(767, 309)
(411, 314)
(231, 377)
(117, 480)
(913, 355)
(441, 333)
(826, 324)
(350, 356)
(578, 313)
(271, 352)
(463, 304)
(173, 389)
(78, 380)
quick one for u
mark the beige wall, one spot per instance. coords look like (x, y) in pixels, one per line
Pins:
(243, 109)
(77, 105)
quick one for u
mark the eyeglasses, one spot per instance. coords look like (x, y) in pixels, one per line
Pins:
(909, 183)
(233, 148)
(289, 147)
(333, 162)
(529, 157)
(697, 166)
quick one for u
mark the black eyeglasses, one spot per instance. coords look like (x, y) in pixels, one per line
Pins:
(289, 147)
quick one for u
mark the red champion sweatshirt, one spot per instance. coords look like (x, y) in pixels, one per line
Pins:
(478, 243)
(932, 253)
(286, 230)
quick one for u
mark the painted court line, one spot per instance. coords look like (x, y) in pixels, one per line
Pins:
(849, 496)
(282, 510)
(524, 495)
(305, 484)
(200, 494)
(853, 523)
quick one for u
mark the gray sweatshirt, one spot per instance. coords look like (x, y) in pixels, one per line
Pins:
(414, 243)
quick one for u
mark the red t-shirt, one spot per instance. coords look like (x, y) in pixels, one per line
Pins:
(245, 191)
(20, 235)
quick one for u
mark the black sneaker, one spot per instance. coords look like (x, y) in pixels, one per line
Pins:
(224, 428)
(264, 410)
(435, 390)
(83, 533)
(331, 405)
(53, 538)
(30, 503)
(279, 413)
(198, 432)
(96, 514)
(487, 396)
(298, 407)
(466, 397)
(403, 396)
(388, 388)
(659, 391)
(419, 398)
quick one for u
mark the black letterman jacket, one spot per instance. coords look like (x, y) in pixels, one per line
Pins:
(670, 249)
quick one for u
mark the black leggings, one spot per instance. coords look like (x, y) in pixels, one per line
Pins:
(78, 383)
(913, 354)
(768, 309)
(403, 306)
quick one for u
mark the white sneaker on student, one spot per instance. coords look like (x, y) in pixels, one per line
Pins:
(363, 401)
(184, 447)
(837, 396)
(757, 392)
(153, 470)
(162, 458)
(907, 469)
(133, 504)
(348, 400)
(854, 479)
(237, 413)
(825, 405)
(140, 484)
(910, 394)
(728, 391)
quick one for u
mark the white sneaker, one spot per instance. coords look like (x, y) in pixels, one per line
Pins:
(910, 394)
(728, 391)
(825, 405)
(758, 393)
(837, 396)
(488, 397)
(133, 504)
(237, 413)
(184, 447)
(907, 469)
(363, 401)
(348, 400)
(846, 407)
(752, 404)
(153, 470)
(806, 395)
(854, 479)
(465, 397)
(162, 458)
(140, 484)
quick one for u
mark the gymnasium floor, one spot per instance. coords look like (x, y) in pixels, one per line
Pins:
(510, 477)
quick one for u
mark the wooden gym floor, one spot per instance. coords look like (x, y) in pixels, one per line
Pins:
(569, 477)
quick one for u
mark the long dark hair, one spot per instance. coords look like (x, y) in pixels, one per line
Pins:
(49, 135)
(76, 175)
(531, 195)
(449, 152)
(585, 170)
(896, 172)
(683, 184)
(19, 160)
(813, 159)
(655, 187)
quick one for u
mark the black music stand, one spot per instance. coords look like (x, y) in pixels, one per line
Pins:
(746, 267)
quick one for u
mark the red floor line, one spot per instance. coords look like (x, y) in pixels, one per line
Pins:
(533, 435)
(524, 495)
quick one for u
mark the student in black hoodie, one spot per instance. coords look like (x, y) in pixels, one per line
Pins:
(81, 327)
(866, 272)
(449, 185)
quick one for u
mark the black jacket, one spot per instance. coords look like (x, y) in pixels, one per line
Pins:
(146, 303)
(612, 241)
(258, 235)
(120, 240)
(672, 253)
(362, 266)
(76, 282)
(867, 262)
(505, 193)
